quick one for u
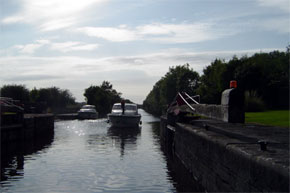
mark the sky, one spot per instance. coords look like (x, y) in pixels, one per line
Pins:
(73, 44)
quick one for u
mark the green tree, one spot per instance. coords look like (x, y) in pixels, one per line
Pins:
(266, 74)
(212, 82)
(16, 92)
(179, 79)
(33, 95)
(54, 98)
(103, 97)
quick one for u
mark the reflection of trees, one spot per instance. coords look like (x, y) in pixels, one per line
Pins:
(12, 155)
(124, 136)
(182, 179)
(12, 168)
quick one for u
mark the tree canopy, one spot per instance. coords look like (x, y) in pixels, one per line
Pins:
(263, 75)
(178, 79)
(103, 97)
(17, 92)
(53, 98)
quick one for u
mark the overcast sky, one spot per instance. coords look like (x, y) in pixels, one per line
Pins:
(72, 44)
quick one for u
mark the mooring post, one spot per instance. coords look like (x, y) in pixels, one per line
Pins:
(233, 104)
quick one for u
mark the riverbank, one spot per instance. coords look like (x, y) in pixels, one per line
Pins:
(278, 118)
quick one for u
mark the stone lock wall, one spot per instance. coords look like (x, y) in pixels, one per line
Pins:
(33, 125)
(230, 110)
(223, 167)
(226, 156)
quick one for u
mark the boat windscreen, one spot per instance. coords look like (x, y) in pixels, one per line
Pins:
(88, 107)
(127, 107)
(130, 107)
(116, 107)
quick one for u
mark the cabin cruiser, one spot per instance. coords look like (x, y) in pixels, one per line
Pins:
(88, 112)
(124, 115)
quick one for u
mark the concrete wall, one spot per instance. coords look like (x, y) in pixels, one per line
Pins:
(219, 112)
(223, 166)
(230, 110)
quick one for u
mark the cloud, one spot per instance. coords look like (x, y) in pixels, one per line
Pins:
(56, 24)
(280, 4)
(31, 77)
(63, 47)
(52, 14)
(128, 74)
(32, 47)
(162, 33)
(12, 19)
(280, 25)
(110, 34)
(43, 41)
(179, 33)
(73, 46)
(28, 48)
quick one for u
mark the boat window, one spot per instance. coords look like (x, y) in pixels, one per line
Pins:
(116, 107)
(88, 107)
(130, 107)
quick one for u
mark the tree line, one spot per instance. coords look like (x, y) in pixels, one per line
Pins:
(58, 100)
(50, 99)
(103, 97)
(264, 77)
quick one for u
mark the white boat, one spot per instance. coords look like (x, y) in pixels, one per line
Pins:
(88, 112)
(129, 118)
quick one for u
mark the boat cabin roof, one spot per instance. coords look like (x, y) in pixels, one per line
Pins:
(88, 107)
(129, 106)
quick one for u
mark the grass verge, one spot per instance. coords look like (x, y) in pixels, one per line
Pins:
(274, 118)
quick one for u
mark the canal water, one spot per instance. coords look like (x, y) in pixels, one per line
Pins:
(90, 156)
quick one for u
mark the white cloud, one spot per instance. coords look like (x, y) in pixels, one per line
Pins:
(28, 48)
(281, 25)
(56, 24)
(85, 47)
(126, 73)
(280, 4)
(12, 19)
(112, 34)
(43, 41)
(179, 33)
(163, 33)
(64, 47)
(73, 46)
(52, 14)
(156, 29)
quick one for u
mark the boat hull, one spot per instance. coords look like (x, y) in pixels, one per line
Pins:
(87, 115)
(124, 120)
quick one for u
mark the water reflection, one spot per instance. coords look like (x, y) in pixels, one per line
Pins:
(91, 156)
(13, 156)
(124, 136)
(181, 178)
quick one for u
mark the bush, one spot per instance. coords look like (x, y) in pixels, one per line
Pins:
(254, 103)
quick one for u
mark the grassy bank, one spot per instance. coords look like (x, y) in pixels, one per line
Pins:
(273, 118)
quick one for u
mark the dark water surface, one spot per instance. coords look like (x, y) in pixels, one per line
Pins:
(89, 156)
